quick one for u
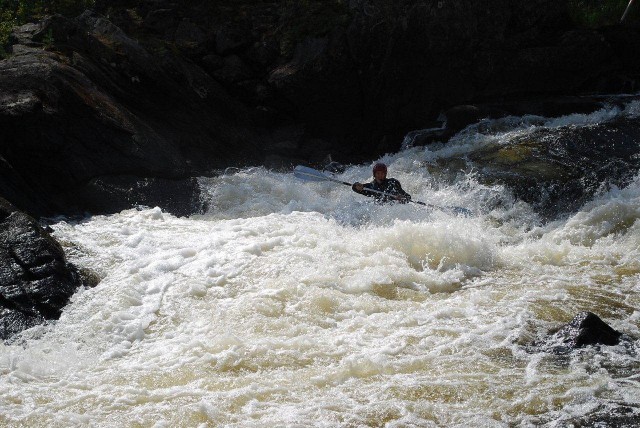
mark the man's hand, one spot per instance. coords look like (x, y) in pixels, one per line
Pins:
(358, 186)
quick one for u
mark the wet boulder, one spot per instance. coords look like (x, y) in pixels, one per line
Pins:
(585, 329)
(36, 281)
(558, 169)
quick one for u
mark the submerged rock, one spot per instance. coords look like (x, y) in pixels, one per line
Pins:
(36, 281)
(619, 416)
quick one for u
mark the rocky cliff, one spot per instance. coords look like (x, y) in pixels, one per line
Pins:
(125, 103)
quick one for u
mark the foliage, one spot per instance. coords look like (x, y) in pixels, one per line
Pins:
(18, 12)
(598, 13)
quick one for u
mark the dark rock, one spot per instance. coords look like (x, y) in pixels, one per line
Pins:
(212, 63)
(320, 89)
(262, 53)
(449, 51)
(460, 117)
(424, 137)
(282, 163)
(585, 329)
(578, 59)
(161, 21)
(116, 193)
(36, 282)
(616, 416)
(625, 42)
(559, 169)
(316, 150)
(102, 106)
(24, 35)
(190, 38)
(167, 89)
(233, 70)
(232, 40)
(310, 50)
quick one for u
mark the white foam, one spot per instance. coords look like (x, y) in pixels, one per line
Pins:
(302, 304)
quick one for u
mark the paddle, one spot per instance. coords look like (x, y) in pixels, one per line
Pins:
(310, 174)
(624, 15)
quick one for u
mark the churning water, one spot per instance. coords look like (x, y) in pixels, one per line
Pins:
(303, 304)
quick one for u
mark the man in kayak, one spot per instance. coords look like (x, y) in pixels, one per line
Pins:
(382, 184)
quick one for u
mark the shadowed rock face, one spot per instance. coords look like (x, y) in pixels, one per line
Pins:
(101, 106)
(168, 90)
(36, 282)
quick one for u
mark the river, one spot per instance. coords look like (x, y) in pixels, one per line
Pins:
(291, 303)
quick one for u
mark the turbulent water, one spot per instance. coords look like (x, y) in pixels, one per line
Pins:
(303, 304)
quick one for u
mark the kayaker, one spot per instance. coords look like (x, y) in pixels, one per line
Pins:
(382, 184)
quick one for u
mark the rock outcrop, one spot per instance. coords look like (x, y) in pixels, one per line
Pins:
(144, 90)
(99, 106)
(36, 281)
(585, 329)
(555, 169)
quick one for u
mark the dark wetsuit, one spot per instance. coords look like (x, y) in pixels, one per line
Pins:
(388, 185)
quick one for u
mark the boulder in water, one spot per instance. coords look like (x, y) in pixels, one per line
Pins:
(557, 170)
(585, 329)
(36, 281)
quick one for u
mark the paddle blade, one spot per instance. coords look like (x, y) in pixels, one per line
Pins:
(461, 211)
(309, 174)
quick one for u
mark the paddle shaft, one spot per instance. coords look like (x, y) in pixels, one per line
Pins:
(626, 10)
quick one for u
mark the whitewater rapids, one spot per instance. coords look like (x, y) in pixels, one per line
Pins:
(303, 304)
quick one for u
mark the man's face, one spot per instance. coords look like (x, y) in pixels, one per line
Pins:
(380, 175)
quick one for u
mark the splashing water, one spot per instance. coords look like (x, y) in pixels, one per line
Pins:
(303, 304)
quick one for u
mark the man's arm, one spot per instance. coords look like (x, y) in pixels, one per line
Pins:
(402, 196)
(362, 189)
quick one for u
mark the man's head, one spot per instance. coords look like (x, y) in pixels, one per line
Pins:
(379, 171)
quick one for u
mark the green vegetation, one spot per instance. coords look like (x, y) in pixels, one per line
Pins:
(18, 12)
(597, 13)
